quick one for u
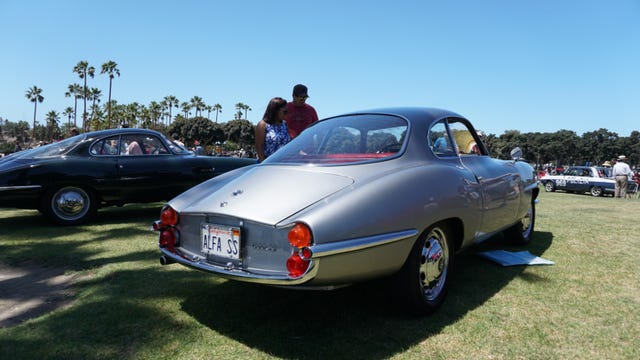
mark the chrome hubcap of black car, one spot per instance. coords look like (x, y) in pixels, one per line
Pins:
(434, 259)
(70, 203)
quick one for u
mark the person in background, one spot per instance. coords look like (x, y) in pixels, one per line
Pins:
(272, 131)
(73, 132)
(621, 173)
(300, 113)
(607, 169)
(176, 139)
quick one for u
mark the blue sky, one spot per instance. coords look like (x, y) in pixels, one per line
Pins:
(532, 66)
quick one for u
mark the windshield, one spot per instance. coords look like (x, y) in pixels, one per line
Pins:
(345, 139)
(53, 149)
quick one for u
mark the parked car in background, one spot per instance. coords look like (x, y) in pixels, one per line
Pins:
(583, 179)
(69, 180)
(389, 192)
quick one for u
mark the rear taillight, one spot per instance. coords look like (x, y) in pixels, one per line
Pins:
(168, 238)
(300, 235)
(168, 216)
(169, 235)
(300, 238)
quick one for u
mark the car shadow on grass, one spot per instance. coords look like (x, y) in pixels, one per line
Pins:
(363, 321)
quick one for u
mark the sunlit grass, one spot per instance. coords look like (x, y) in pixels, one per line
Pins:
(586, 306)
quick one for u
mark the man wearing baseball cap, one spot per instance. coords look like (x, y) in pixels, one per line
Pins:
(621, 172)
(300, 114)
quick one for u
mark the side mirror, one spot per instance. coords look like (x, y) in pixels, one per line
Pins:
(516, 153)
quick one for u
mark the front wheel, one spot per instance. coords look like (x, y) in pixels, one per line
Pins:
(549, 186)
(69, 205)
(424, 279)
(522, 232)
(596, 191)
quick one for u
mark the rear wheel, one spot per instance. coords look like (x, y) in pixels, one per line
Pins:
(424, 279)
(69, 205)
(549, 186)
(596, 191)
(522, 232)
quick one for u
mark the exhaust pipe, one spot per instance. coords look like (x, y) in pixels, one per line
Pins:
(165, 260)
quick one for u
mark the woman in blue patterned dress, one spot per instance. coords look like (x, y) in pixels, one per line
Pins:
(272, 131)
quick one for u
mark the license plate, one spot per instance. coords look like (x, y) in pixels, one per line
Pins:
(221, 240)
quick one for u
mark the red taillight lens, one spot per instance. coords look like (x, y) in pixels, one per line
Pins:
(168, 216)
(297, 266)
(300, 236)
(168, 238)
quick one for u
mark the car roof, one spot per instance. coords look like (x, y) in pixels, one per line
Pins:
(412, 112)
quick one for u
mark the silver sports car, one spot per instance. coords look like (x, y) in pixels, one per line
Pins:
(388, 192)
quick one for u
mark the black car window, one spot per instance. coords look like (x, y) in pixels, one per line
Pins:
(105, 147)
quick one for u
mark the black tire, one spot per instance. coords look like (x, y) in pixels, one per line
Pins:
(596, 191)
(549, 186)
(424, 279)
(522, 232)
(69, 205)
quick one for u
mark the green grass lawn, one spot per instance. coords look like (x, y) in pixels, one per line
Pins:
(586, 306)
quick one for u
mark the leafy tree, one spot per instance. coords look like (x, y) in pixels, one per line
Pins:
(240, 131)
(83, 70)
(110, 67)
(34, 94)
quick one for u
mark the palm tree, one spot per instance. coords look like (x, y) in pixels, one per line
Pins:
(246, 109)
(34, 95)
(74, 90)
(242, 106)
(94, 95)
(110, 68)
(218, 108)
(68, 112)
(154, 112)
(83, 70)
(186, 108)
(132, 113)
(170, 101)
(52, 119)
(198, 104)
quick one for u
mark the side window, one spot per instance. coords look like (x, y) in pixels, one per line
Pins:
(439, 140)
(107, 146)
(466, 141)
(153, 146)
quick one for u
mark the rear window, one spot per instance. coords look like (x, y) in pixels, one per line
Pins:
(345, 140)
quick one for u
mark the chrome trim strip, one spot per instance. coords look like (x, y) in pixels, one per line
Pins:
(24, 187)
(243, 275)
(340, 247)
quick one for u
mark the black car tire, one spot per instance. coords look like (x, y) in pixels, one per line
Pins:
(424, 279)
(69, 205)
(549, 186)
(522, 232)
(596, 191)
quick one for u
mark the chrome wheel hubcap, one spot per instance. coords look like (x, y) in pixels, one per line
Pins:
(70, 203)
(434, 259)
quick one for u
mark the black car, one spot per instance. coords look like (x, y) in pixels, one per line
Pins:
(69, 180)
